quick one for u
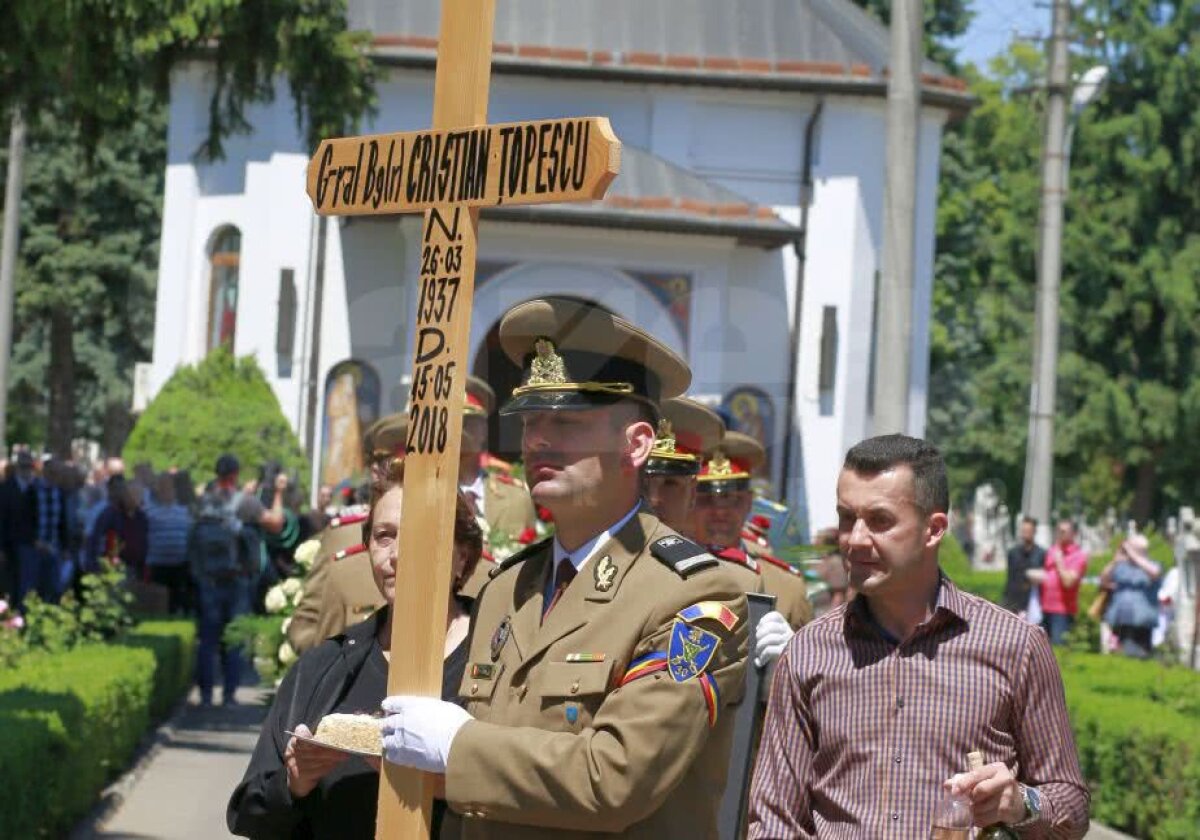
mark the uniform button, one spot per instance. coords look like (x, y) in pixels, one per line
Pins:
(899, 702)
(895, 815)
(474, 688)
(350, 641)
(575, 687)
(897, 759)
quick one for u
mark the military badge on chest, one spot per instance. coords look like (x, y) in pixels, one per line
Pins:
(503, 631)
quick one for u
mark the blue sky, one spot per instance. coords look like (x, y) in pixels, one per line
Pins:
(995, 20)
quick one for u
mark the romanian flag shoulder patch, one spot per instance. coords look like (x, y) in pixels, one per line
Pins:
(718, 612)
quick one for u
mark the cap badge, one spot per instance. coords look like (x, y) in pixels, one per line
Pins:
(548, 367)
(665, 439)
(719, 465)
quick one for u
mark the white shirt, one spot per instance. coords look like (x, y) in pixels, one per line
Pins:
(476, 488)
(581, 555)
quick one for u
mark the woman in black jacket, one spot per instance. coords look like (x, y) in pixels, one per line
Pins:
(293, 788)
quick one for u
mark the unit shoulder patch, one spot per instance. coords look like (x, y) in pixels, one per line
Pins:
(682, 555)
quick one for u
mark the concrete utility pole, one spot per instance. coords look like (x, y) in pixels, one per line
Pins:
(893, 339)
(1039, 453)
(8, 260)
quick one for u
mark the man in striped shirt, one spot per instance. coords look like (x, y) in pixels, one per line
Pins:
(875, 705)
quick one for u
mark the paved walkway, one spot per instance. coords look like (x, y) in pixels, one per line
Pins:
(179, 790)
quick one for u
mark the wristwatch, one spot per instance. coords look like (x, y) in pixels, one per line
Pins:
(1033, 807)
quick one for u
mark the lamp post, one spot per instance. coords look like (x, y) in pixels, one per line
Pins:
(1039, 454)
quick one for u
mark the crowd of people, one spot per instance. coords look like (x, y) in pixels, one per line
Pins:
(1043, 586)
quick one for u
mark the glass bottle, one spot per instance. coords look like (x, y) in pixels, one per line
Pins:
(953, 818)
(995, 831)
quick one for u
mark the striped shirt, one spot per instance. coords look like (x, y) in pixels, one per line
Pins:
(861, 731)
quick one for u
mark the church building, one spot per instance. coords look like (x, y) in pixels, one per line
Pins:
(750, 196)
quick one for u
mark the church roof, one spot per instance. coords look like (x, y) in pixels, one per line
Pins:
(653, 194)
(818, 45)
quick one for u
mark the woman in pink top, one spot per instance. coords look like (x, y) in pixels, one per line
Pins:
(1065, 565)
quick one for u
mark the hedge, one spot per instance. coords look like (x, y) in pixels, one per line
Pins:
(1137, 729)
(71, 721)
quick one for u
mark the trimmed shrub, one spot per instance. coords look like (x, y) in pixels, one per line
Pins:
(219, 405)
(70, 721)
(173, 644)
(957, 566)
(1137, 729)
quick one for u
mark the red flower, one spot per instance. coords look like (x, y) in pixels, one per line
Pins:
(527, 536)
(544, 514)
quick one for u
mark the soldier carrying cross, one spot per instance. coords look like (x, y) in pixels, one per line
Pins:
(602, 663)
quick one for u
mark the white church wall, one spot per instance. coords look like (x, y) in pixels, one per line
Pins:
(841, 247)
(749, 142)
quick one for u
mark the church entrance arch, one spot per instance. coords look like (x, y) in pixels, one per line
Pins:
(610, 288)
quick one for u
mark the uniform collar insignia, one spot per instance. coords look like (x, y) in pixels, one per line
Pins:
(604, 573)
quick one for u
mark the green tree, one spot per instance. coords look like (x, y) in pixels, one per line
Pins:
(983, 292)
(91, 78)
(219, 405)
(1129, 368)
(1131, 315)
(85, 285)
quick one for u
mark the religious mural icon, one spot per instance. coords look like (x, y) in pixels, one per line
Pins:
(500, 637)
(352, 395)
(690, 651)
(752, 412)
(605, 572)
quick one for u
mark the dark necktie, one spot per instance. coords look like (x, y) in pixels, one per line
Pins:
(563, 575)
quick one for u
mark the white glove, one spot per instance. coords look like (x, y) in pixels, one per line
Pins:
(419, 731)
(770, 638)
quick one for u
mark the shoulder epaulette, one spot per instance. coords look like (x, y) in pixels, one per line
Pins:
(513, 559)
(682, 555)
(736, 555)
(349, 551)
(348, 519)
(775, 561)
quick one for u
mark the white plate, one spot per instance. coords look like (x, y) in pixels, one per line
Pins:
(330, 746)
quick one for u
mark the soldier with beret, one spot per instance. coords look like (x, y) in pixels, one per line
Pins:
(500, 499)
(603, 662)
(724, 500)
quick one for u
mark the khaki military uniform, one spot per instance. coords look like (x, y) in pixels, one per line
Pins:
(508, 511)
(787, 585)
(559, 748)
(343, 532)
(507, 505)
(350, 595)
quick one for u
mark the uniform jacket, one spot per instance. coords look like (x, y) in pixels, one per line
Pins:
(559, 747)
(785, 583)
(506, 504)
(508, 511)
(313, 622)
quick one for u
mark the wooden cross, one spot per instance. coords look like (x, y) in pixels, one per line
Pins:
(449, 172)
